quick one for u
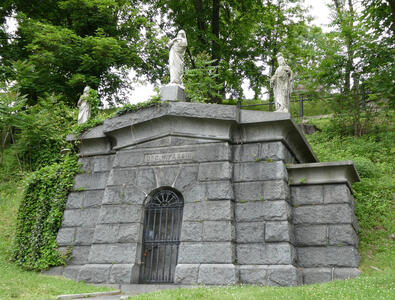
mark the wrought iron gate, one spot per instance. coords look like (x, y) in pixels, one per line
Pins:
(162, 226)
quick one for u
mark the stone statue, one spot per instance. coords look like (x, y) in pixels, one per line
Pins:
(177, 47)
(84, 107)
(282, 84)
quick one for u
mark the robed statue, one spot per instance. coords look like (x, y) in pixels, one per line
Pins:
(84, 112)
(177, 47)
(282, 84)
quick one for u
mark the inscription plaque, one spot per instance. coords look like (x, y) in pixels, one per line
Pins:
(168, 156)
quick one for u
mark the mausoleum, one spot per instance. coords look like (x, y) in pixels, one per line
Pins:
(190, 193)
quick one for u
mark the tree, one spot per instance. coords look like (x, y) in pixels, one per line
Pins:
(62, 46)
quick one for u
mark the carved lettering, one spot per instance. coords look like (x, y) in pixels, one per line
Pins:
(168, 156)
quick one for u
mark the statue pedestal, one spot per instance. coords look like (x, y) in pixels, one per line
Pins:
(172, 93)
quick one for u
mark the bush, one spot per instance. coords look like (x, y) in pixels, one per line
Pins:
(40, 215)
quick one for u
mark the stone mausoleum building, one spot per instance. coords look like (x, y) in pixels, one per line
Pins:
(191, 193)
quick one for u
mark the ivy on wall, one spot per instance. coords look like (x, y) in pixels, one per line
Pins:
(41, 213)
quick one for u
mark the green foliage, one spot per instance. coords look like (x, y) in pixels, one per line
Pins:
(373, 155)
(201, 84)
(154, 101)
(40, 215)
(94, 102)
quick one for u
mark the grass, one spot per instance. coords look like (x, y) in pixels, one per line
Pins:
(16, 283)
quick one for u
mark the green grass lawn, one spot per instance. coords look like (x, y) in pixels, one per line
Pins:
(16, 283)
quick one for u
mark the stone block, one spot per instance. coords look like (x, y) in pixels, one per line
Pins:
(253, 274)
(106, 234)
(120, 214)
(276, 190)
(80, 217)
(195, 193)
(71, 272)
(258, 191)
(274, 151)
(94, 181)
(311, 235)
(95, 273)
(84, 235)
(122, 176)
(263, 211)
(121, 274)
(75, 200)
(79, 255)
(172, 93)
(331, 256)
(103, 163)
(255, 171)
(215, 171)
(279, 231)
(265, 254)
(316, 275)
(337, 193)
(218, 231)
(342, 235)
(65, 236)
(186, 274)
(307, 194)
(146, 179)
(207, 252)
(191, 231)
(129, 232)
(323, 214)
(345, 273)
(186, 177)
(219, 190)
(283, 276)
(246, 152)
(166, 175)
(217, 274)
(112, 253)
(250, 232)
(93, 198)
(208, 211)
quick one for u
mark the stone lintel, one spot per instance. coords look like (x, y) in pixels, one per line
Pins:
(323, 173)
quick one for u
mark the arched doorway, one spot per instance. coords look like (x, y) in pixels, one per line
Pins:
(161, 238)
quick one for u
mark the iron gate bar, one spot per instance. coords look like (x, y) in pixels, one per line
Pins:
(160, 237)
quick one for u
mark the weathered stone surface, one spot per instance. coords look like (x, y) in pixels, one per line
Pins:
(316, 275)
(311, 235)
(91, 181)
(79, 255)
(196, 153)
(80, 217)
(75, 200)
(331, 256)
(323, 214)
(208, 252)
(215, 171)
(345, 273)
(263, 210)
(267, 190)
(98, 163)
(246, 152)
(195, 193)
(265, 254)
(122, 177)
(208, 211)
(276, 190)
(308, 194)
(250, 232)
(337, 193)
(342, 235)
(255, 171)
(217, 274)
(112, 253)
(65, 236)
(92, 198)
(219, 190)
(191, 231)
(275, 151)
(253, 274)
(124, 195)
(218, 231)
(95, 273)
(166, 175)
(84, 235)
(186, 177)
(94, 146)
(71, 272)
(283, 276)
(281, 231)
(117, 233)
(120, 214)
(172, 93)
(186, 274)
(146, 180)
(121, 274)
